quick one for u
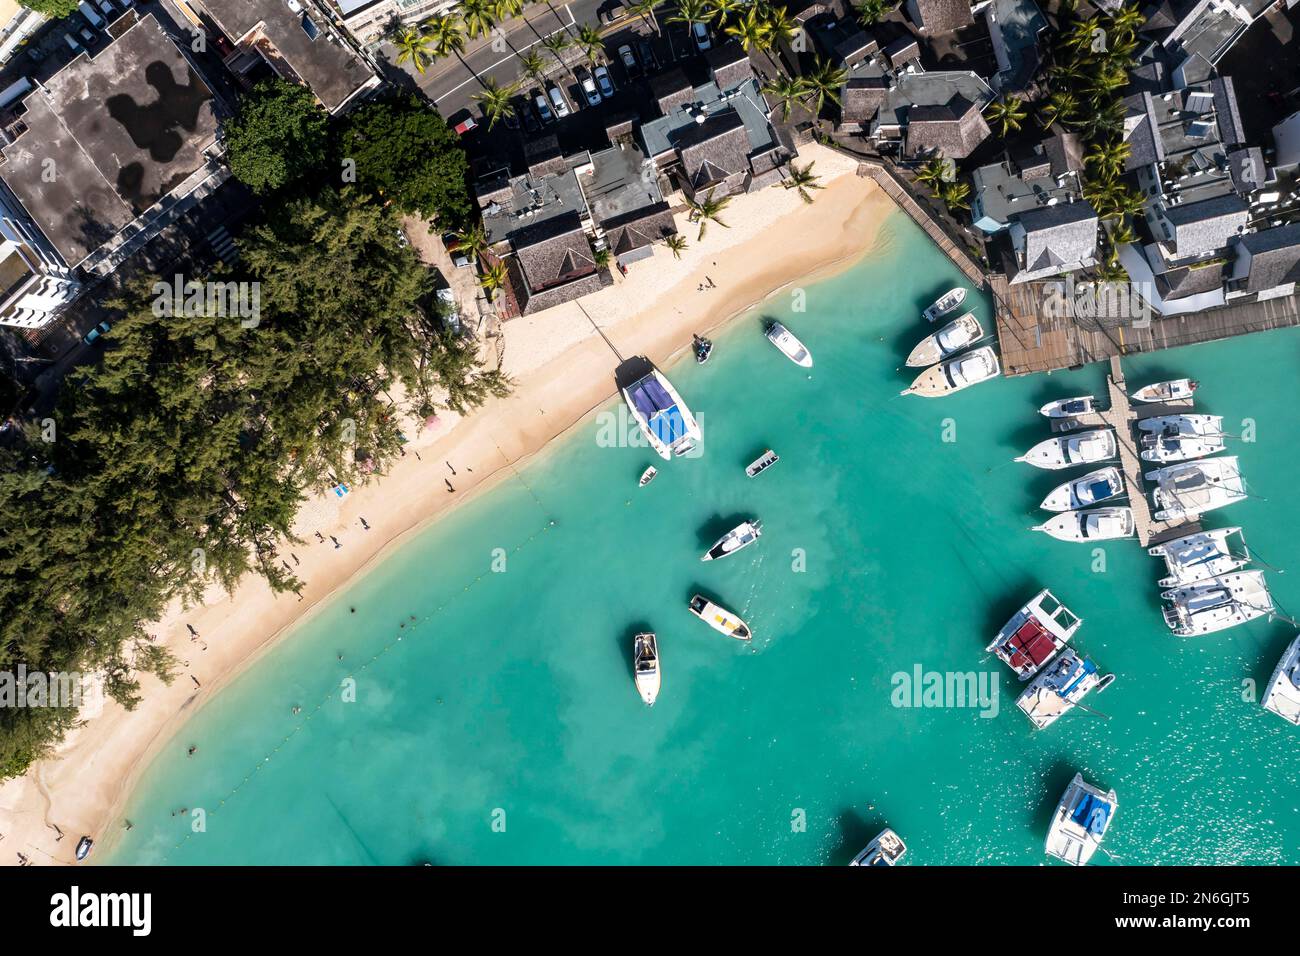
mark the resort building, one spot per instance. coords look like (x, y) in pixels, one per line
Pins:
(1202, 33)
(1048, 176)
(934, 17)
(1053, 240)
(368, 19)
(932, 114)
(1014, 30)
(1267, 263)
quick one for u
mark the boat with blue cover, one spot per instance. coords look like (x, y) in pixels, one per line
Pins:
(1091, 489)
(663, 416)
(1080, 823)
(1059, 686)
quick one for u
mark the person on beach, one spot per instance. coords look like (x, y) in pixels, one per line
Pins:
(364, 524)
(336, 542)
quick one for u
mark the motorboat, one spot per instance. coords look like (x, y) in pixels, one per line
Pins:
(1069, 407)
(1080, 448)
(961, 333)
(1217, 604)
(1091, 489)
(1094, 524)
(954, 374)
(790, 346)
(885, 850)
(762, 463)
(83, 848)
(1059, 686)
(1178, 389)
(703, 348)
(645, 658)
(1080, 823)
(1035, 634)
(1201, 556)
(719, 618)
(662, 415)
(647, 476)
(944, 304)
(1191, 488)
(1283, 694)
(741, 536)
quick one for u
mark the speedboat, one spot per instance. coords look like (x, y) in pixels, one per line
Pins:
(645, 657)
(1069, 407)
(664, 418)
(1217, 604)
(1283, 694)
(1081, 448)
(1194, 487)
(1200, 556)
(741, 536)
(956, 373)
(1059, 686)
(885, 850)
(762, 463)
(1035, 634)
(83, 848)
(703, 348)
(719, 618)
(1092, 489)
(648, 476)
(790, 346)
(1080, 822)
(944, 304)
(960, 333)
(1176, 390)
(1095, 524)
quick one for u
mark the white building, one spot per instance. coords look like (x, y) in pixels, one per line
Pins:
(367, 19)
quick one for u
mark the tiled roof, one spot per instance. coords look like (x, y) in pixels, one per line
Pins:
(1202, 227)
(553, 251)
(1057, 239)
(715, 150)
(952, 130)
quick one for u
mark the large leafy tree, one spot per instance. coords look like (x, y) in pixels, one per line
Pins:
(51, 8)
(279, 137)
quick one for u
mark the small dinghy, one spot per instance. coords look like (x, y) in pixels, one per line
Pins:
(645, 657)
(885, 850)
(956, 373)
(1095, 524)
(83, 848)
(1080, 822)
(1092, 489)
(741, 536)
(1283, 694)
(762, 463)
(1081, 448)
(719, 618)
(958, 334)
(1069, 407)
(703, 348)
(1176, 390)
(648, 476)
(944, 304)
(790, 346)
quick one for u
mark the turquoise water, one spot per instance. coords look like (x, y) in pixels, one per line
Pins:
(500, 725)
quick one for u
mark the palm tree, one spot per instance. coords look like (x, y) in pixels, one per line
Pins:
(780, 28)
(1109, 157)
(1080, 37)
(446, 34)
(955, 195)
(477, 15)
(804, 180)
(413, 45)
(723, 9)
(590, 43)
(531, 63)
(645, 9)
(676, 244)
(495, 101)
(751, 30)
(472, 240)
(1126, 21)
(871, 12)
(1059, 108)
(601, 257)
(691, 12)
(707, 210)
(1008, 113)
(557, 43)
(787, 90)
(494, 277)
(824, 81)
(934, 174)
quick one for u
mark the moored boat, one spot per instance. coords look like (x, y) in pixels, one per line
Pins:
(741, 536)
(648, 476)
(1283, 694)
(1160, 448)
(1201, 556)
(1069, 407)
(1217, 604)
(83, 848)
(1081, 448)
(1035, 634)
(703, 348)
(954, 374)
(1175, 390)
(885, 850)
(662, 415)
(1191, 488)
(1171, 426)
(962, 332)
(1095, 524)
(1086, 491)
(789, 346)
(719, 618)
(762, 463)
(1080, 823)
(1060, 686)
(944, 304)
(645, 658)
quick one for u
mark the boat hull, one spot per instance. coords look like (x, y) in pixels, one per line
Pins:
(1093, 524)
(662, 416)
(645, 660)
(788, 345)
(1283, 694)
(1066, 451)
(944, 304)
(1080, 823)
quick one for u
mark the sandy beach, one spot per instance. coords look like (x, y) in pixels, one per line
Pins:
(563, 370)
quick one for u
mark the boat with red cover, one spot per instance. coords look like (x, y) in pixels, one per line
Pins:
(1035, 634)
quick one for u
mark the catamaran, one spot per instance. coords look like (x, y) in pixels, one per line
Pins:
(1059, 686)
(1192, 488)
(1082, 448)
(1176, 390)
(1283, 694)
(645, 657)
(719, 618)
(741, 536)
(1080, 823)
(790, 346)
(956, 373)
(1069, 407)
(1095, 524)
(1035, 634)
(885, 850)
(762, 463)
(1172, 426)
(664, 418)
(1092, 489)
(944, 304)
(1217, 604)
(1181, 437)
(960, 333)
(1201, 556)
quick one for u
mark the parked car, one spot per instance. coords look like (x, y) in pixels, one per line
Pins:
(647, 55)
(529, 117)
(560, 104)
(701, 35)
(465, 124)
(543, 109)
(612, 13)
(589, 88)
(96, 332)
(604, 82)
(629, 60)
(72, 42)
(458, 257)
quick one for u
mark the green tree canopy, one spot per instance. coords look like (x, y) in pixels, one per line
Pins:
(279, 137)
(51, 8)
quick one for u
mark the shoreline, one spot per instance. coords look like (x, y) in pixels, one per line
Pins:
(565, 366)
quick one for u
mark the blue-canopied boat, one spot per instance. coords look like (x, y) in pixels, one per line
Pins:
(664, 418)
(1080, 822)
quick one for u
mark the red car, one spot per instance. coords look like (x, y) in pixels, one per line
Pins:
(465, 125)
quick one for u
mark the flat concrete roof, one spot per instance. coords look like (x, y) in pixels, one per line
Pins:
(621, 181)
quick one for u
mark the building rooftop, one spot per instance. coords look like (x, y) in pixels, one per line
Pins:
(931, 89)
(1014, 186)
(1274, 257)
(619, 180)
(1207, 225)
(550, 189)
(940, 16)
(1207, 31)
(1057, 239)
(1018, 23)
(662, 135)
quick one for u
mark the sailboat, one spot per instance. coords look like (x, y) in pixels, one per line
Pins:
(1080, 823)
(1035, 634)
(885, 850)
(1189, 489)
(719, 618)
(741, 536)
(962, 332)
(1283, 694)
(1217, 603)
(1181, 437)
(1059, 686)
(944, 304)
(645, 658)
(1200, 556)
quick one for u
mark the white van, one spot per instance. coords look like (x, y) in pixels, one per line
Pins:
(91, 14)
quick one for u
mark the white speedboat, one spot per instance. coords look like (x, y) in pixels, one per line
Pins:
(1189, 489)
(885, 850)
(83, 848)
(1092, 489)
(647, 476)
(1283, 694)
(1095, 524)
(1069, 407)
(962, 332)
(1059, 686)
(663, 416)
(1081, 448)
(1035, 634)
(1176, 390)
(944, 304)
(1201, 556)
(1080, 823)
(1217, 604)
(762, 463)
(741, 536)
(645, 657)
(719, 618)
(790, 346)
(956, 373)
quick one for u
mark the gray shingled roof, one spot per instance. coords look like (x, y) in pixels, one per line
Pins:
(1187, 281)
(1204, 226)
(715, 150)
(943, 16)
(1058, 239)
(1274, 257)
(729, 65)
(640, 228)
(952, 130)
(861, 98)
(671, 89)
(553, 251)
